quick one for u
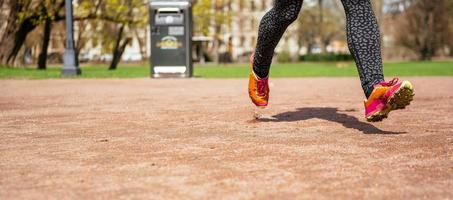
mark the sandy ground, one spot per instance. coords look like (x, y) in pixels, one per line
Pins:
(197, 139)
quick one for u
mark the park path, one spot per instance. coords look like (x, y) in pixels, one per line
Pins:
(197, 139)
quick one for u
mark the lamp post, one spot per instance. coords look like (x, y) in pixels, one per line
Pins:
(71, 63)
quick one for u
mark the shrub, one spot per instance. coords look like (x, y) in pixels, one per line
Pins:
(284, 57)
(326, 57)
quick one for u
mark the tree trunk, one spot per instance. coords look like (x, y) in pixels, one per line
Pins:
(216, 44)
(42, 59)
(309, 47)
(321, 21)
(142, 44)
(15, 34)
(16, 31)
(80, 41)
(12, 42)
(118, 50)
(8, 38)
(426, 53)
(119, 47)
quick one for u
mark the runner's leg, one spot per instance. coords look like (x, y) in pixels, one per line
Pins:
(364, 42)
(271, 30)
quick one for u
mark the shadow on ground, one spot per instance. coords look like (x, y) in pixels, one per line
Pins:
(330, 114)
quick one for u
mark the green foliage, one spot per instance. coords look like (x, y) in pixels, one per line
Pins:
(205, 16)
(125, 11)
(37, 11)
(23, 10)
(284, 57)
(326, 57)
(202, 16)
(105, 17)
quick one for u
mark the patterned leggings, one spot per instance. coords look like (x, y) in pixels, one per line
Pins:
(362, 33)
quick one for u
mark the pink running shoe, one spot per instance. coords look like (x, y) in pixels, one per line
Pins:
(388, 96)
(258, 88)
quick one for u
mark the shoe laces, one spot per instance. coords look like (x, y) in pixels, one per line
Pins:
(390, 83)
(262, 84)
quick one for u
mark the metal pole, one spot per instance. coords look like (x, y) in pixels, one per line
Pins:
(71, 63)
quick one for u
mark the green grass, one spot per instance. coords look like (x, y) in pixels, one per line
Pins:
(436, 68)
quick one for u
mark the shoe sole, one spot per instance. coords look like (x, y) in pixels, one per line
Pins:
(399, 100)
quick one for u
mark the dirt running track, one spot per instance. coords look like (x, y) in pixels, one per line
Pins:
(197, 139)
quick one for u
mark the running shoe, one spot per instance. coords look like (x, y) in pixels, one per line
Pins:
(388, 96)
(258, 88)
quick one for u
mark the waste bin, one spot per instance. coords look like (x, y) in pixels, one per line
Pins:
(171, 38)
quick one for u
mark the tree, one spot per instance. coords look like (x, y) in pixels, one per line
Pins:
(24, 16)
(49, 13)
(449, 7)
(42, 58)
(202, 17)
(207, 14)
(332, 26)
(20, 22)
(312, 30)
(122, 17)
(321, 24)
(423, 27)
(306, 34)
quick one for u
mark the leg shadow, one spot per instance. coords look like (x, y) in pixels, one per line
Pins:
(330, 114)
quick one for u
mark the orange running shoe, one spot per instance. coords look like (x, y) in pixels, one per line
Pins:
(388, 96)
(258, 87)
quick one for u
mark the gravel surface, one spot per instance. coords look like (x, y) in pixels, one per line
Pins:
(198, 139)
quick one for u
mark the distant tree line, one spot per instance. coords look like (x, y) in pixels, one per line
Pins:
(108, 22)
(425, 27)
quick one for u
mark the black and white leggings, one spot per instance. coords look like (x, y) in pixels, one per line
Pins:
(362, 33)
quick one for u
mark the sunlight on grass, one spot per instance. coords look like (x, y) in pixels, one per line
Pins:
(437, 68)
